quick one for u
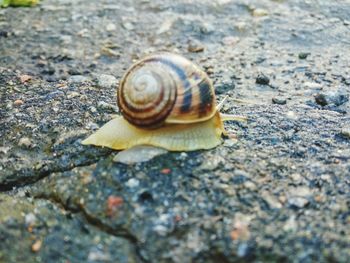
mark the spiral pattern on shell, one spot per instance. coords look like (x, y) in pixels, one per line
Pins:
(165, 88)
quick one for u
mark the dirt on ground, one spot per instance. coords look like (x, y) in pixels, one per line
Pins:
(276, 191)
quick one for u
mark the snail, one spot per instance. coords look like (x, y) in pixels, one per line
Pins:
(165, 101)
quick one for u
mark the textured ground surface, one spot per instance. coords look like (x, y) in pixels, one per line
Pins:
(279, 192)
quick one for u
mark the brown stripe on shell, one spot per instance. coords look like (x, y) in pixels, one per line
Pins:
(157, 111)
(206, 98)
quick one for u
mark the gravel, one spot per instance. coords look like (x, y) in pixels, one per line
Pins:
(276, 190)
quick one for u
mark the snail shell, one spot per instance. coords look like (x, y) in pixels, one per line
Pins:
(166, 101)
(165, 88)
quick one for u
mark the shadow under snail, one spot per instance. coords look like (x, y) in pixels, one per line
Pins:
(165, 101)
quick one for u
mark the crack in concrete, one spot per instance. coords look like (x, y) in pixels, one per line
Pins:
(23, 181)
(97, 223)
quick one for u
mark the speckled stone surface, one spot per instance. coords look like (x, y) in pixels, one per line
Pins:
(277, 191)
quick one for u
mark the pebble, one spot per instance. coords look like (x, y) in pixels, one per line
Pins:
(230, 40)
(133, 182)
(106, 81)
(166, 26)
(128, 26)
(296, 177)
(301, 191)
(160, 230)
(271, 200)
(212, 163)
(104, 106)
(92, 126)
(260, 12)
(242, 249)
(25, 142)
(113, 204)
(98, 256)
(73, 94)
(345, 132)
(279, 101)
(138, 154)
(312, 85)
(303, 55)
(36, 246)
(240, 231)
(262, 79)
(29, 219)
(336, 98)
(78, 79)
(195, 46)
(111, 27)
(298, 201)
(241, 26)
(18, 102)
(25, 78)
(92, 109)
(290, 225)
(321, 99)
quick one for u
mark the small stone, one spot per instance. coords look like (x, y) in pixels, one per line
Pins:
(195, 46)
(128, 26)
(83, 33)
(113, 204)
(104, 106)
(296, 177)
(242, 249)
(291, 115)
(106, 81)
(98, 256)
(290, 225)
(133, 182)
(279, 101)
(138, 154)
(212, 163)
(166, 171)
(303, 55)
(18, 102)
(345, 132)
(25, 78)
(312, 85)
(301, 191)
(271, 200)
(230, 40)
(321, 99)
(160, 230)
(92, 109)
(166, 26)
(262, 79)
(30, 219)
(241, 26)
(78, 79)
(36, 246)
(25, 142)
(4, 150)
(258, 12)
(111, 27)
(73, 94)
(92, 126)
(250, 185)
(298, 201)
(240, 231)
(331, 97)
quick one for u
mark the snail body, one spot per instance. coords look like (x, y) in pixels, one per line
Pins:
(165, 101)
